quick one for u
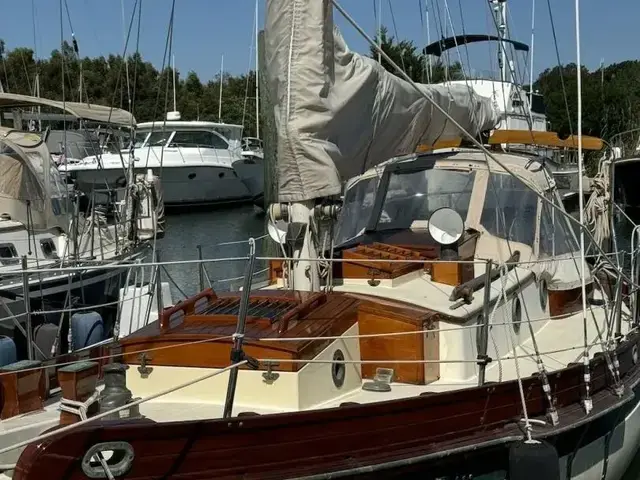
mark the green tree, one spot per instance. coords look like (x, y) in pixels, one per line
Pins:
(406, 55)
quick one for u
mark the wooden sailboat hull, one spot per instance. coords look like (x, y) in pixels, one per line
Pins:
(465, 432)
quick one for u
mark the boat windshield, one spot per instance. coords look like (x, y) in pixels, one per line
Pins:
(411, 196)
(158, 138)
(414, 196)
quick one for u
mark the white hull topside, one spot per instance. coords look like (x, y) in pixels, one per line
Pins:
(251, 171)
(189, 175)
(181, 185)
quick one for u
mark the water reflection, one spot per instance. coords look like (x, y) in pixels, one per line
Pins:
(185, 231)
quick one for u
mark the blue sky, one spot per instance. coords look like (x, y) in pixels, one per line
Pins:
(207, 29)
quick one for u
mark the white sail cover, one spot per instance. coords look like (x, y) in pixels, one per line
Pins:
(339, 113)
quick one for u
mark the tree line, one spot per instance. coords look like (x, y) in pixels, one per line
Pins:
(611, 94)
(132, 84)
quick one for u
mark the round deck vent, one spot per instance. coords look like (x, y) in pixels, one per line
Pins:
(338, 369)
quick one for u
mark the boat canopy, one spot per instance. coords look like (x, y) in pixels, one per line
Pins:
(440, 46)
(31, 189)
(82, 111)
(339, 113)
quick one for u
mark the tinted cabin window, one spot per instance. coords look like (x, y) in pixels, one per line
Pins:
(198, 139)
(537, 103)
(8, 254)
(49, 248)
(158, 139)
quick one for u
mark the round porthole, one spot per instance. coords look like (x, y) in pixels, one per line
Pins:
(544, 294)
(338, 369)
(221, 175)
(516, 314)
(192, 176)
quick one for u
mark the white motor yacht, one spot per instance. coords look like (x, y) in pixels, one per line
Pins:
(194, 160)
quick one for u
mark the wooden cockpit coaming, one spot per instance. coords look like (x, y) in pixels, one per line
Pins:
(204, 340)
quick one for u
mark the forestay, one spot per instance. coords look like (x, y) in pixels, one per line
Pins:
(339, 113)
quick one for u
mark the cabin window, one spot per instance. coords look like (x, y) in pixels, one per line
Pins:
(139, 139)
(415, 196)
(356, 209)
(537, 103)
(8, 254)
(510, 209)
(556, 236)
(48, 248)
(158, 139)
(198, 139)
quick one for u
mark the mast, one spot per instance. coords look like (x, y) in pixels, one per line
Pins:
(220, 97)
(533, 27)
(37, 87)
(500, 14)
(257, 85)
(380, 30)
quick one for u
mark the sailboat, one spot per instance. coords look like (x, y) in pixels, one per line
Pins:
(251, 167)
(445, 330)
(43, 232)
(522, 124)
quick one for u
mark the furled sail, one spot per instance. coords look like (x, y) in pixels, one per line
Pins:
(339, 113)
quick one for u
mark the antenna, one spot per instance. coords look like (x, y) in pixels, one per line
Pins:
(174, 115)
(257, 84)
(174, 83)
(220, 98)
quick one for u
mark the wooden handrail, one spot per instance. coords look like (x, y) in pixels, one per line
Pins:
(187, 307)
(301, 310)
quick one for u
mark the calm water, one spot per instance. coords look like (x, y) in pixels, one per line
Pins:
(210, 228)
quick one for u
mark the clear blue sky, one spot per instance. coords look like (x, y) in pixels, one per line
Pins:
(207, 29)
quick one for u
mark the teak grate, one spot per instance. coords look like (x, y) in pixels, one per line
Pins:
(271, 308)
(402, 261)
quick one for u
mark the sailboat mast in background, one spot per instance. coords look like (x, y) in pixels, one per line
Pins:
(257, 70)
(220, 97)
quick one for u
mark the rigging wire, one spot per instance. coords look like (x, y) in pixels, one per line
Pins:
(395, 32)
(587, 402)
(560, 67)
(441, 33)
(425, 41)
(246, 88)
(124, 59)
